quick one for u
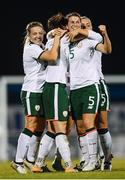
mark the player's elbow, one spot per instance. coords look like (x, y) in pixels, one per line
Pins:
(53, 56)
(109, 50)
(49, 56)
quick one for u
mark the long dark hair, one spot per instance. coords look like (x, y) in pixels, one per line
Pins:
(57, 21)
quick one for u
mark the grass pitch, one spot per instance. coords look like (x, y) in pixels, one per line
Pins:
(118, 172)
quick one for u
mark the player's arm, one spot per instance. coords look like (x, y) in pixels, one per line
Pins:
(52, 54)
(106, 46)
(77, 34)
(80, 34)
(95, 36)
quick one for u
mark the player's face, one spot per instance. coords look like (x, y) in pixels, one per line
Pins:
(36, 35)
(86, 23)
(74, 22)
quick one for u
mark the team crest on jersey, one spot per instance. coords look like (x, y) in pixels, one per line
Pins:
(79, 45)
(65, 113)
(37, 107)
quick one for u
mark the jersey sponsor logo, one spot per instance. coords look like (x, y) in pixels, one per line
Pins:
(37, 107)
(92, 52)
(65, 113)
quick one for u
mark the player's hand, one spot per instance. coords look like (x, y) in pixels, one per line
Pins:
(59, 32)
(72, 34)
(102, 29)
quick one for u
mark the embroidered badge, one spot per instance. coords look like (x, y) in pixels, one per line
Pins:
(65, 113)
(37, 107)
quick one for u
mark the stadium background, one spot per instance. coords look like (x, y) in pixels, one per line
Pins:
(14, 18)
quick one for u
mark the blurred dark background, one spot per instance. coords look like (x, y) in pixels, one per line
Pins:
(16, 15)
